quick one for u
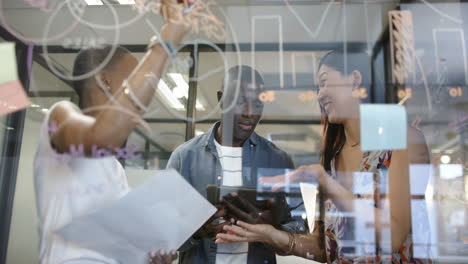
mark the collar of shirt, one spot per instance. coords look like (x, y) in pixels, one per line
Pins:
(210, 137)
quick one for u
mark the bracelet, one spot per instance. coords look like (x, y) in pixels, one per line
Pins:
(167, 45)
(294, 244)
(291, 244)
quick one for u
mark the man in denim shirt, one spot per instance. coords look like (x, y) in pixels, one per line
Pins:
(200, 162)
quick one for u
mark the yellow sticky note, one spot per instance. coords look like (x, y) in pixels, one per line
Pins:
(9, 70)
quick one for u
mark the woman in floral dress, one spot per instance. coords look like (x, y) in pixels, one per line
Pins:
(342, 88)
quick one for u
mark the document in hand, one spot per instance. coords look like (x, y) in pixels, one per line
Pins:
(162, 213)
(309, 195)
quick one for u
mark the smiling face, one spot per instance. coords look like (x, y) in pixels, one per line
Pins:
(336, 94)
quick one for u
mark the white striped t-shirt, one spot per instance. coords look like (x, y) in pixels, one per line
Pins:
(231, 163)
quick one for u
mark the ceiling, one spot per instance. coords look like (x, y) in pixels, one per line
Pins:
(313, 21)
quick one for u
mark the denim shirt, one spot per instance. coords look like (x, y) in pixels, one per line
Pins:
(198, 162)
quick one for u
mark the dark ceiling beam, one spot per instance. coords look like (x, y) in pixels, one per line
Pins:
(151, 142)
(50, 94)
(304, 46)
(41, 61)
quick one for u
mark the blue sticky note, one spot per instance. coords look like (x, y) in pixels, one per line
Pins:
(383, 127)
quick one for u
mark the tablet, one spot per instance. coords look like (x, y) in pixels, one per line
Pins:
(280, 209)
(215, 193)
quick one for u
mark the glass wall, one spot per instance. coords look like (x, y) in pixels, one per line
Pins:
(274, 132)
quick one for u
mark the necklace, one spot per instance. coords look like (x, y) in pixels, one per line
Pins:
(352, 145)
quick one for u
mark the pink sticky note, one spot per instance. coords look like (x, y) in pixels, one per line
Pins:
(12, 97)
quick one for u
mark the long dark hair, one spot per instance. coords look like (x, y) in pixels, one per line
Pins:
(334, 134)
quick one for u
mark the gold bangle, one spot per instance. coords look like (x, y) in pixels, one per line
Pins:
(291, 244)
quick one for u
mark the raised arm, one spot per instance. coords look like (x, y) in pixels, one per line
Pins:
(111, 127)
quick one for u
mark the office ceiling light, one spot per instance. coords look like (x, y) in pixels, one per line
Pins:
(445, 159)
(126, 2)
(182, 88)
(167, 95)
(93, 2)
(120, 2)
(199, 106)
(450, 171)
(178, 92)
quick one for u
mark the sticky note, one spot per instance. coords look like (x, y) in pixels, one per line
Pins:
(12, 95)
(309, 196)
(383, 127)
(9, 70)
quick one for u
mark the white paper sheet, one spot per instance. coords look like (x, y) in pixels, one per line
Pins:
(309, 196)
(159, 214)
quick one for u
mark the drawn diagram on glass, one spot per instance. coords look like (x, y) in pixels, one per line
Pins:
(204, 19)
(442, 13)
(97, 69)
(279, 22)
(20, 36)
(166, 92)
(312, 34)
(450, 61)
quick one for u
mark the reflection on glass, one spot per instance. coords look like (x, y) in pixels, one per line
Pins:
(258, 107)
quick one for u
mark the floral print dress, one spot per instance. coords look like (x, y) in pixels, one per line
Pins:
(378, 163)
